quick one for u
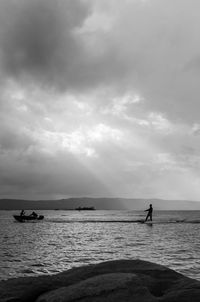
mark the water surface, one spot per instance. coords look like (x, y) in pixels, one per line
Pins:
(65, 239)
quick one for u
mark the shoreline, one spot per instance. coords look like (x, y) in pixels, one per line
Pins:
(119, 280)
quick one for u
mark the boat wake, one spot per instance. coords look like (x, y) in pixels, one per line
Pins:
(176, 221)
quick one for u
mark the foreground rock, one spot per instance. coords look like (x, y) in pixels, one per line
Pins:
(113, 281)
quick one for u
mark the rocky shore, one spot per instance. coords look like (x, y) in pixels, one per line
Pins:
(112, 281)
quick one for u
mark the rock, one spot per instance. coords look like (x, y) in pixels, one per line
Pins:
(108, 287)
(119, 281)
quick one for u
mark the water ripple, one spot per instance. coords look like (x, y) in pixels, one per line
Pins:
(66, 239)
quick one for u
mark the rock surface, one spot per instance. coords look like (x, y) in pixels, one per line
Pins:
(112, 281)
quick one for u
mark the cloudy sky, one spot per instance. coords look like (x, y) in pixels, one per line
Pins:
(100, 98)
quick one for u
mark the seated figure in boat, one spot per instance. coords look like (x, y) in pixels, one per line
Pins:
(33, 214)
(22, 213)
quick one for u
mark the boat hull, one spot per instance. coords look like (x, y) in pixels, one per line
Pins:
(24, 218)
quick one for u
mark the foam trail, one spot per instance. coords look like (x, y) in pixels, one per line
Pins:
(125, 221)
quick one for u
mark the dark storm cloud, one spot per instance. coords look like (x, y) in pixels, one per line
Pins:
(37, 38)
(41, 42)
(12, 139)
(146, 47)
(46, 176)
(70, 120)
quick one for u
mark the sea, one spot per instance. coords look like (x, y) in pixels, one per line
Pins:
(70, 238)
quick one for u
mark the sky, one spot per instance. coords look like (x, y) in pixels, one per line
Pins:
(99, 98)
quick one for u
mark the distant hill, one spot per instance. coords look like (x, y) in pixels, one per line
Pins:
(98, 203)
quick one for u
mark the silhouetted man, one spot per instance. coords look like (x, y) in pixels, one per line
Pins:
(150, 211)
(22, 213)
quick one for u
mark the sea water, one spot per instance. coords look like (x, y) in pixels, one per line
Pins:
(65, 239)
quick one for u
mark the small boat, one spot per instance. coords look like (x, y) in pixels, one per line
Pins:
(23, 218)
(85, 209)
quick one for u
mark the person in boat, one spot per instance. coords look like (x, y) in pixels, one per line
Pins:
(33, 214)
(22, 213)
(150, 212)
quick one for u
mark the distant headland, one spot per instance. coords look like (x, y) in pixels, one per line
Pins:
(98, 204)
